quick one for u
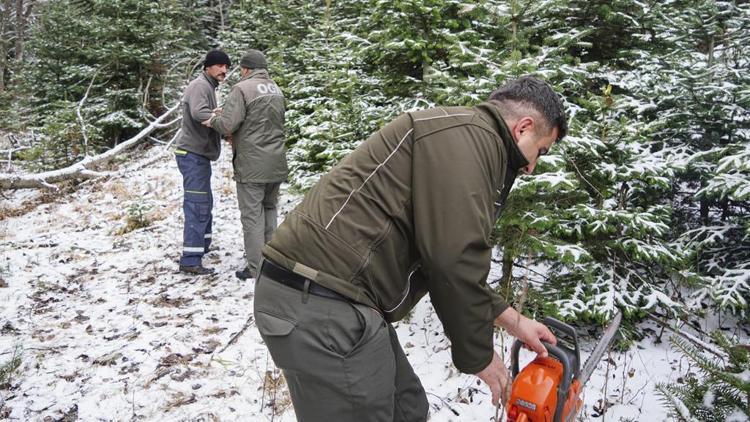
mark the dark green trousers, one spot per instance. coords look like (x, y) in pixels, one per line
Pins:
(341, 360)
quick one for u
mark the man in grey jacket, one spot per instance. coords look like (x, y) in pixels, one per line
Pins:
(253, 116)
(196, 147)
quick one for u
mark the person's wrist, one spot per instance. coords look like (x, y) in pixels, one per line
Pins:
(509, 319)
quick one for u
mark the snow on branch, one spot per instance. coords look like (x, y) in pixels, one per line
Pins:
(82, 169)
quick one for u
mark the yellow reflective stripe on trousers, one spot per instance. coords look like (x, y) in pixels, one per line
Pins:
(196, 191)
(180, 152)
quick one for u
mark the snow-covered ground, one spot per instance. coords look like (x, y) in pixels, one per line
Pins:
(107, 329)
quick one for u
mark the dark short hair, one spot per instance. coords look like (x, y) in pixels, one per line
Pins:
(538, 95)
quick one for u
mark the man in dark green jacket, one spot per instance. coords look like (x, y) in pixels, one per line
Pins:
(409, 212)
(254, 117)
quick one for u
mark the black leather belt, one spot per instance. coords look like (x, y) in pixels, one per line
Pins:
(296, 281)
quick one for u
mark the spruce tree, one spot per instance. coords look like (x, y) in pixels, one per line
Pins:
(719, 391)
(116, 55)
(703, 105)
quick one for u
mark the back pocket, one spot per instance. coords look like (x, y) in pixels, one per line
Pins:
(278, 335)
(273, 326)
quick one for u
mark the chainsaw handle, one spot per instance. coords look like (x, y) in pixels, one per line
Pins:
(557, 353)
(561, 329)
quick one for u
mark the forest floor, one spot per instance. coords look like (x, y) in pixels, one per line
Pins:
(97, 324)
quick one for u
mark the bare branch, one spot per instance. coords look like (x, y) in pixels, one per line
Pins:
(169, 123)
(10, 154)
(78, 112)
(144, 106)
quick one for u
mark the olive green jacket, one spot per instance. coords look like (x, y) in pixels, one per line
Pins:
(254, 115)
(410, 212)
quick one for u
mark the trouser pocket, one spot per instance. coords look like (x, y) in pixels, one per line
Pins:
(346, 329)
(276, 333)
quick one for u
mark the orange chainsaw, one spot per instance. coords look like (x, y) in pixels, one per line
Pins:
(549, 389)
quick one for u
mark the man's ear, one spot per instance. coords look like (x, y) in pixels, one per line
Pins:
(522, 125)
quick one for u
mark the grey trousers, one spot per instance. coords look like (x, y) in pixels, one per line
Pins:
(257, 202)
(342, 361)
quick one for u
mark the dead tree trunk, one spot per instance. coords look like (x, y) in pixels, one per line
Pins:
(83, 169)
(22, 17)
(4, 40)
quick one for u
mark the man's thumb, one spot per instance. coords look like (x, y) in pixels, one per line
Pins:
(539, 348)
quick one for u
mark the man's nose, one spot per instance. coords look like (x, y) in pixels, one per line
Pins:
(530, 168)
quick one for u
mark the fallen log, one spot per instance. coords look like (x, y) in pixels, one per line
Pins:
(83, 169)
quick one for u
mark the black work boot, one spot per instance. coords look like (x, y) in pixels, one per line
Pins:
(244, 274)
(196, 270)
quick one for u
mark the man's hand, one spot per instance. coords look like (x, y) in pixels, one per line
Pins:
(495, 375)
(214, 114)
(230, 140)
(530, 332)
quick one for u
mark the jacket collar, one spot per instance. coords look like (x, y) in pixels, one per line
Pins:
(214, 83)
(259, 73)
(491, 114)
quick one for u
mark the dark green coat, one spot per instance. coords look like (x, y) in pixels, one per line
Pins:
(411, 211)
(254, 115)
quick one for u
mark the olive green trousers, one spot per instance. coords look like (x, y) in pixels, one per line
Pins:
(341, 360)
(257, 203)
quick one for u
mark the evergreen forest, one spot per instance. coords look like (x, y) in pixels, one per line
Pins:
(644, 207)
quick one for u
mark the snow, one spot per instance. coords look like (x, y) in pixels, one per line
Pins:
(108, 330)
(708, 399)
(744, 376)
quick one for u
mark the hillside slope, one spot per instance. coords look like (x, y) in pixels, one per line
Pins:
(107, 329)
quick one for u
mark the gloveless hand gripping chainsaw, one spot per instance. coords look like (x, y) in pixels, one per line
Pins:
(549, 389)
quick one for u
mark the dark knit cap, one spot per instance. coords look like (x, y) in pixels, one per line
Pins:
(216, 57)
(254, 59)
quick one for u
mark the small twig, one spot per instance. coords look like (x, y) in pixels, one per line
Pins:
(605, 402)
(445, 403)
(524, 291)
(239, 333)
(638, 392)
(571, 161)
(516, 264)
(624, 377)
(263, 390)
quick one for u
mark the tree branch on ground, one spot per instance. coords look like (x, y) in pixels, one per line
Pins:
(687, 336)
(82, 169)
